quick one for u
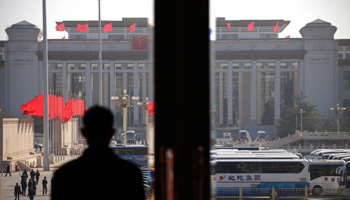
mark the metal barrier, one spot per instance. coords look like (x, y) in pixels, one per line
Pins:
(280, 193)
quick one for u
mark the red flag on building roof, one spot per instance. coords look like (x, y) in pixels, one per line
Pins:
(82, 28)
(229, 26)
(60, 27)
(132, 28)
(251, 26)
(107, 28)
(288, 36)
(276, 28)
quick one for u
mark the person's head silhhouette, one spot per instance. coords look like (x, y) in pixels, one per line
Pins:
(98, 126)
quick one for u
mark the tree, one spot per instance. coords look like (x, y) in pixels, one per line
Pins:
(290, 117)
(345, 120)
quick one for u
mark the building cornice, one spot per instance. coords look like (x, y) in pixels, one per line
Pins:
(260, 55)
(79, 55)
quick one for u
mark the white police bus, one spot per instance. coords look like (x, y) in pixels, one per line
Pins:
(257, 177)
(323, 177)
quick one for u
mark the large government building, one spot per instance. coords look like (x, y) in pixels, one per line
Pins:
(254, 73)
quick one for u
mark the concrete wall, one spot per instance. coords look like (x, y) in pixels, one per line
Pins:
(17, 137)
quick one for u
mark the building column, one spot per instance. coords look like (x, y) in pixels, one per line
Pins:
(301, 77)
(112, 106)
(229, 94)
(258, 94)
(41, 79)
(136, 93)
(221, 98)
(88, 84)
(240, 98)
(150, 84)
(254, 96)
(277, 91)
(64, 81)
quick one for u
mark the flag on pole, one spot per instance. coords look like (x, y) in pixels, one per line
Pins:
(68, 110)
(107, 28)
(34, 106)
(288, 36)
(60, 27)
(82, 28)
(251, 26)
(151, 108)
(64, 37)
(132, 28)
(228, 26)
(276, 28)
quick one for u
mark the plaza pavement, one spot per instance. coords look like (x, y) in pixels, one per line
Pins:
(7, 184)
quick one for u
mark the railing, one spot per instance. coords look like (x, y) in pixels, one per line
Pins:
(280, 193)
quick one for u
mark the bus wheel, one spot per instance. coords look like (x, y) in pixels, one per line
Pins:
(317, 190)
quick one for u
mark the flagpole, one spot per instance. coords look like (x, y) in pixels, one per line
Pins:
(99, 54)
(46, 88)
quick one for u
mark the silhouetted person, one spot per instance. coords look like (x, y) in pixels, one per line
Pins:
(30, 185)
(24, 186)
(25, 174)
(37, 175)
(124, 183)
(44, 186)
(31, 193)
(34, 186)
(32, 174)
(17, 191)
(8, 170)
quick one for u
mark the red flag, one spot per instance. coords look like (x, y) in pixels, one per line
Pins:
(288, 36)
(34, 106)
(107, 28)
(132, 28)
(251, 26)
(60, 27)
(64, 37)
(229, 26)
(68, 110)
(82, 28)
(151, 107)
(276, 28)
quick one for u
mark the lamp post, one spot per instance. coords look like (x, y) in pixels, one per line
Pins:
(301, 111)
(124, 101)
(338, 110)
(144, 106)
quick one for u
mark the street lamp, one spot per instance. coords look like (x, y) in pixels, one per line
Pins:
(144, 106)
(301, 119)
(338, 110)
(124, 101)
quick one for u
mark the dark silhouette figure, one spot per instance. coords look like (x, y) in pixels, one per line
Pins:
(37, 175)
(24, 186)
(25, 174)
(8, 170)
(44, 186)
(34, 186)
(17, 191)
(30, 185)
(31, 193)
(125, 182)
(32, 174)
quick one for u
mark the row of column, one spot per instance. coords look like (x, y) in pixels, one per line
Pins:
(254, 100)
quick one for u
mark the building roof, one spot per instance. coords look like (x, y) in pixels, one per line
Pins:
(341, 42)
(24, 23)
(318, 21)
(222, 22)
(126, 22)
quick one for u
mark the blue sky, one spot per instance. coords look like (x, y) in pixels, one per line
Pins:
(299, 12)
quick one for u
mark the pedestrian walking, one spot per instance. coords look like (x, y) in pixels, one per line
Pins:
(17, 191)
(34, 186)
(126, 179)
(25, 174)
(32, 174)
(45, 185)
(30, 185)
(8, 170)
(31, 193)
(37, 175)
(24, 186)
